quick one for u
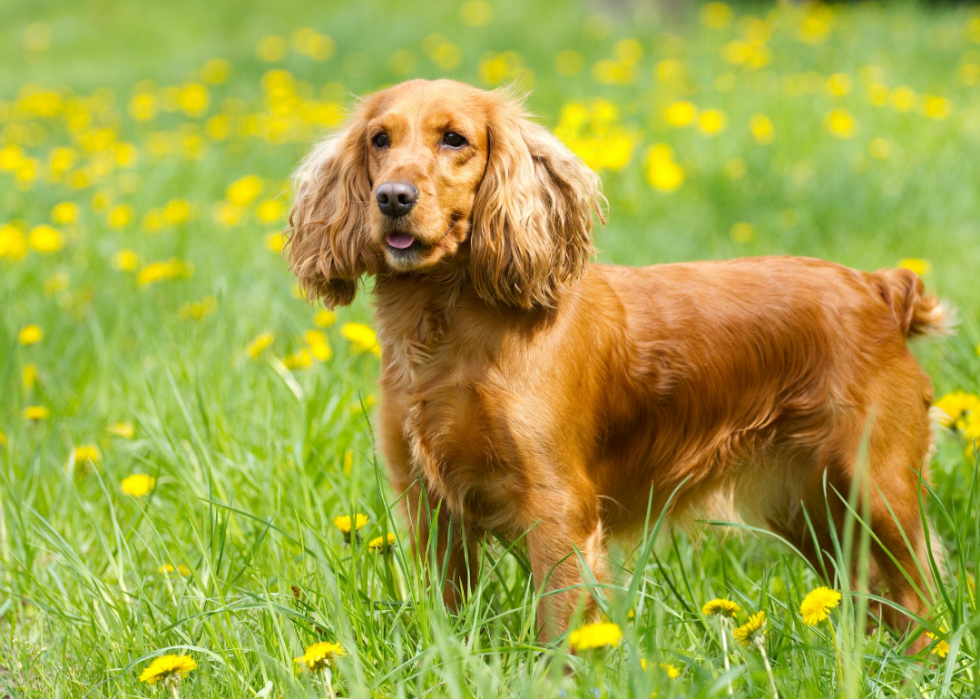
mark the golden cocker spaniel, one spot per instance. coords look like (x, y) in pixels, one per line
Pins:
(533, 391)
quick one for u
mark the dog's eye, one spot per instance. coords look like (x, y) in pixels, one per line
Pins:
(381, 140)
(453, 140)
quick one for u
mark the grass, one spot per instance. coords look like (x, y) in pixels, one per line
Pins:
(253, 460)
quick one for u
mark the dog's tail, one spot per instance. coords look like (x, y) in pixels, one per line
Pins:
(919, 314)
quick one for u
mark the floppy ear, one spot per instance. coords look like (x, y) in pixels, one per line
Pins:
(327, 246)
(532, 216)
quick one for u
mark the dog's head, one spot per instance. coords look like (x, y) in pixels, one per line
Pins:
(426, 174)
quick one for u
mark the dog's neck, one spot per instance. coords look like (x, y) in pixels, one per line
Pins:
(413, 312)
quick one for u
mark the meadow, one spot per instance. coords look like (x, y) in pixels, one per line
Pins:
(182, 435)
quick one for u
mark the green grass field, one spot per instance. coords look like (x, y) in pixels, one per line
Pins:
(149, 325)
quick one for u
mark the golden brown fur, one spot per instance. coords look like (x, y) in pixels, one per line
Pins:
(533, 391)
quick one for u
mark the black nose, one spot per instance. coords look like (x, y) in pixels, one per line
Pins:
(396, 198)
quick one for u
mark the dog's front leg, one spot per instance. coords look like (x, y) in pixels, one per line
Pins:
(559, 547)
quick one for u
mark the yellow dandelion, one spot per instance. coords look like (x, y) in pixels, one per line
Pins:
(298, 360)
(125, 260)
(956, 404)
(45, 239)
(168, 569)
(319, 346)
(138, 485)
(275, 241)
(245, 190)
(319, 656)
(29, 376)
(362, 337)
(381, 543)
(936, 107)
(941, 648)
(747, 633)
(661, 170)
(85, 453)
(343, 523)
(762, 129)
(169, 669)
(124, 430)
(721, 607)
(681, 113)
(816, 606)
(36, 412)
(30, 335)
(595, 636)
(917, 265)
(259, 345)
(716, 15)
(672, 671)
(120, 216)
(712, 121)
(840, 123)
(65, 213)
(13, 244)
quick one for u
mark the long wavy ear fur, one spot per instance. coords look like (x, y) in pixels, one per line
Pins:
(327, 235)
(533, 213)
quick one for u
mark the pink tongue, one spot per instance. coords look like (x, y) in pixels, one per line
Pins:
(400, 241)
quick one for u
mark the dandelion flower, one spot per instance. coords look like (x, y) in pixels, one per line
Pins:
(325, 318)
(955, 405)
(673, 672)
(747, 633)
(30, 335)
(87, 452)
(319, 656)
(343, 523)
(259, 345)
(595, 636)
(138, 485)
(362, 337)
(124, 430)
(941, 649)
(298, 360)
(712, 121)
(817, 605)
(720, 607)
(29, 376)
(169, 669)
(36, 412)
(125, 260)
(167, 569)
(681, 113)
(381, 543)
(840, 123)
(319, 346)
(916, 265)
(45, 239)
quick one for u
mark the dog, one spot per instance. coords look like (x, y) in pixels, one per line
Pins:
(527, 390)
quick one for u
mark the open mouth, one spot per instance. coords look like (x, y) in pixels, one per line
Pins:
(402, 243)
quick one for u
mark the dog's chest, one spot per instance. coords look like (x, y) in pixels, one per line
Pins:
(460, 444)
